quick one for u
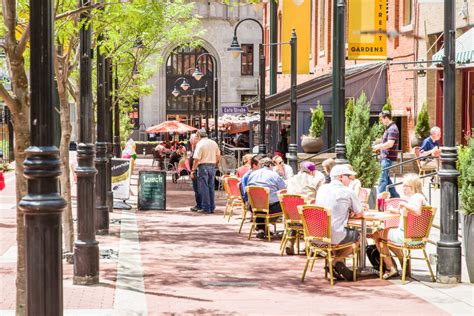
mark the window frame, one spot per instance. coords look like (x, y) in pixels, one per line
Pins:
(246, 66)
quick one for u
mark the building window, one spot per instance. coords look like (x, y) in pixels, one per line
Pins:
(246, 60)
(407, 12)
(246, 99)
(322, 19)
(134, 115)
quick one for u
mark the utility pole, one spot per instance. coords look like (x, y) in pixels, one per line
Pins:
(86, 248)
(42, 205)
(338, 82)
(448, 267)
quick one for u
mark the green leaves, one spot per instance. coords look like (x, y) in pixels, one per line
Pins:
(359, 138)
(317, 121)
(467, 178)
(422, 128)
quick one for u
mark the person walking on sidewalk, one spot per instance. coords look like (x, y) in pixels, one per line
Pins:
(206, 157)
(197, 197)
(388, 152)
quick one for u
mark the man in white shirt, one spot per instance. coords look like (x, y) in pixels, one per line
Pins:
(205, 158)
(342, 201)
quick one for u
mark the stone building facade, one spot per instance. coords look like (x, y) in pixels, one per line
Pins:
(218, 21)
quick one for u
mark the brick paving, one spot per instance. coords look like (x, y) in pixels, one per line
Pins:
(191, 264)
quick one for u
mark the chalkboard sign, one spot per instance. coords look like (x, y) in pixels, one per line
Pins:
(152, 190)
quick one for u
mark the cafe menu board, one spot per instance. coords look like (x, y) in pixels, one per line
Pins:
(152, 190)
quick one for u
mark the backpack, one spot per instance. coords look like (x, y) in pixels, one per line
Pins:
(374, 257)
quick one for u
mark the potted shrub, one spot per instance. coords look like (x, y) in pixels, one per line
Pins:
(359, 138)
(313, 143)
(467, 206)
(422, 128)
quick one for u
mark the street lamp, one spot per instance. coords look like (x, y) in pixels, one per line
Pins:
(197, 74)
(448, 266)
(338, 82)
(185, 86)
(235, 49)
(292, 154)
(43, 204)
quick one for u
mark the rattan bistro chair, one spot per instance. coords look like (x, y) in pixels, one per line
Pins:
(234, 196)
(289, 205)
(416, 232)
(259, 201)
(317, 237)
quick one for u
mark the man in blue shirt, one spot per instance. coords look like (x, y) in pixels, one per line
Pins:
(430, 147)
(266, 177)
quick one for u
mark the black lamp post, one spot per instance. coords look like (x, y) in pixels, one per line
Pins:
(109, 130)
(117, 148)
(101, 161)
(448, 267)
(235, 49)
(43, 204)
(86, 249)
(197, 74)
(338, 82)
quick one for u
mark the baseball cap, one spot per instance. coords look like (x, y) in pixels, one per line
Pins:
(307, 166)
(339, 170)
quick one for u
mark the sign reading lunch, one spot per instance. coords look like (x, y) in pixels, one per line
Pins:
(366, 26)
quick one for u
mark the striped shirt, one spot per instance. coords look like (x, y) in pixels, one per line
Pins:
(391, 133)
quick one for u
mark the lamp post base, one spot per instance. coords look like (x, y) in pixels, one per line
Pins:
(341, 154)
(292, 157)
(448, 266)
(262, 149)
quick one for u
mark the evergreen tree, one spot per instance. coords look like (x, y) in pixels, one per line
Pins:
(317, 121)
(422, 128)
(467, 179)
(349, 112)
(359, 144)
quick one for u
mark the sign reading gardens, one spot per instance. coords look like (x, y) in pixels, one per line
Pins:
(152, 190)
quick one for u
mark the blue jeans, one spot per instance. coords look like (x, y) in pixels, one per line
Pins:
(385, 180)
(206, 176)
(197, 195)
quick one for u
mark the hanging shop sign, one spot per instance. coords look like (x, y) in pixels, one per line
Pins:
(366, 32)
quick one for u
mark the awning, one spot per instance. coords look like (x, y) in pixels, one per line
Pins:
(464, 49)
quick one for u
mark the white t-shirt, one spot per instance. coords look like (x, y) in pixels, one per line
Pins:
(206, 151)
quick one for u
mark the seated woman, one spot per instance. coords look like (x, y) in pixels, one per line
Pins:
(283, 170)
(245, 167)
(306, 182)
(413, 191)
(327, 166)
(183, 167)
(355, 184)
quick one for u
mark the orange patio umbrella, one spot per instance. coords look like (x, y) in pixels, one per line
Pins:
(170, 127)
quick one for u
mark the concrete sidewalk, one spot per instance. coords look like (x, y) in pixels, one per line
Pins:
(179, 262)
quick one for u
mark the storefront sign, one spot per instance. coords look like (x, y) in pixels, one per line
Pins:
(366, 29)
(235, 110)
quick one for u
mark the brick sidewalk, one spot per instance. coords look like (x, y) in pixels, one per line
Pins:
(178, 262)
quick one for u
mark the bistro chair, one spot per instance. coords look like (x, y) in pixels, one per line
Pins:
(226, 192)
(317, 236)
(291, 218)
(422, 170)
(392, 203)
(364, 194)
(416, 232)
(259, 202)
(234, 196)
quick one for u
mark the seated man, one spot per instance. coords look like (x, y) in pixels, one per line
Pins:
(266, 177)
(430, 147)
(342, 201)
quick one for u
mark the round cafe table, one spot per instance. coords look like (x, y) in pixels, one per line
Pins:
(375, 218)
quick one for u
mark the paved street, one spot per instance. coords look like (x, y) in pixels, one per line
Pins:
(178, 262)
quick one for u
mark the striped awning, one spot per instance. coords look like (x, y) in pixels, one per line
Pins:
(464, 49)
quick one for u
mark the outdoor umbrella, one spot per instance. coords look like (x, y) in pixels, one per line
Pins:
(170, 127)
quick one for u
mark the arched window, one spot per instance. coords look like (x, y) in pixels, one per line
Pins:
(181, 63)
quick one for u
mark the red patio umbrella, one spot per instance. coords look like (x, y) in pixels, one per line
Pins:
(170, 127)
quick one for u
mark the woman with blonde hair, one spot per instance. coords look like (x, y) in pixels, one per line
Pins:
(355, 184)
(245, 167)
(413, 192)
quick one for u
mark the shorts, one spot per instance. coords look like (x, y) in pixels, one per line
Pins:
(352, 235)
(397, 236)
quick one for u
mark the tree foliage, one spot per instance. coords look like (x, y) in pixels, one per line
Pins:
(422, 128)
(359, 143)
(467, 179)
(317, 121)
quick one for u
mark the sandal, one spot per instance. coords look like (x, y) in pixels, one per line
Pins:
(393, 272)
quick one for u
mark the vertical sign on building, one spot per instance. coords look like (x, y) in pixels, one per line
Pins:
(296, 17)
(367, 24)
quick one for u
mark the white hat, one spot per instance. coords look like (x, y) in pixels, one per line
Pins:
(339, 170)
